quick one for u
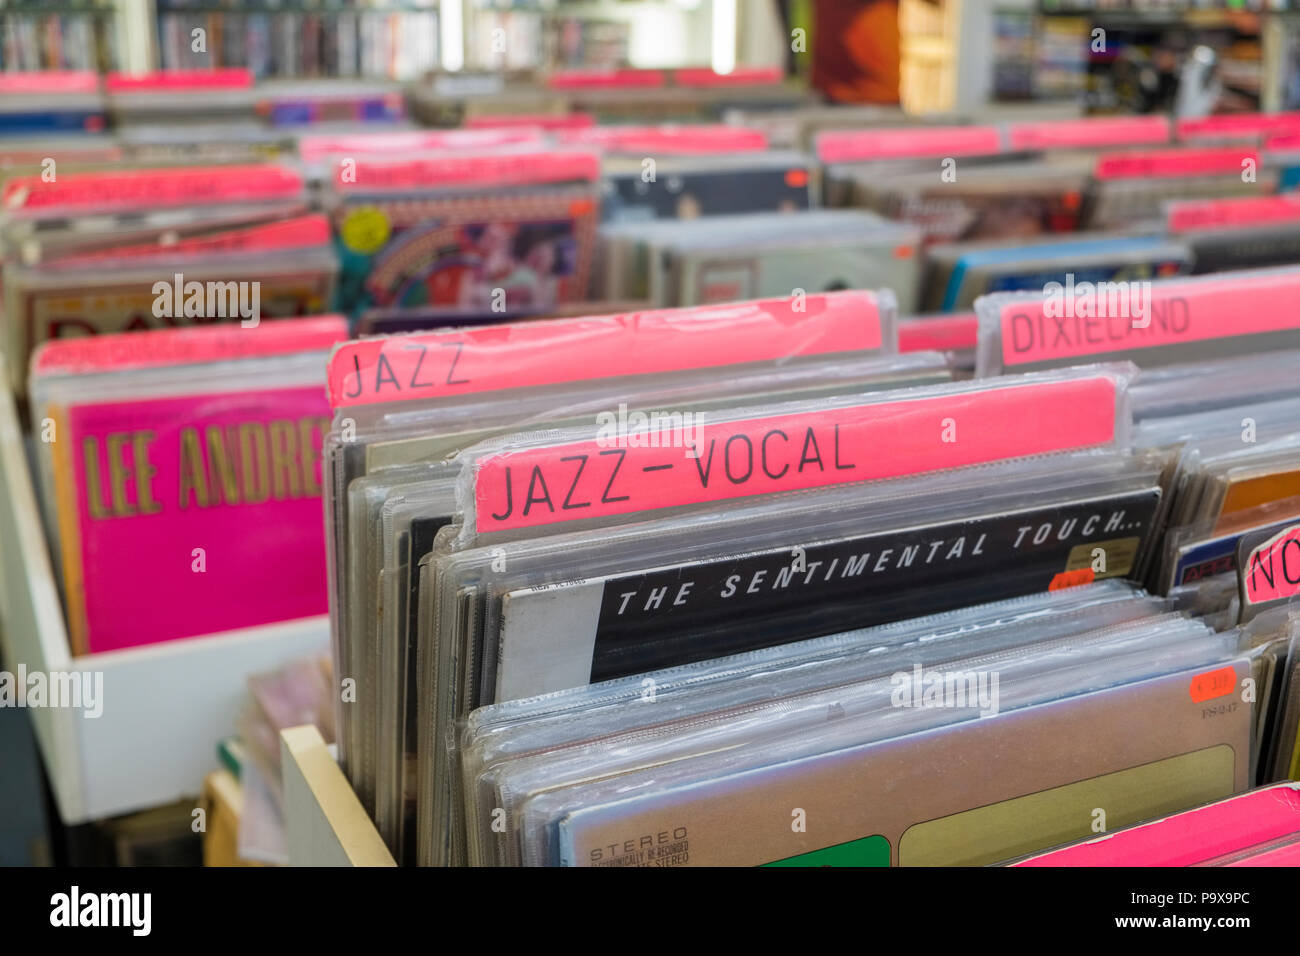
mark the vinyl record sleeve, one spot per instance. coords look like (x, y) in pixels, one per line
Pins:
(372, 438)
(1224, 250)
(860, 704)
(468, 585)
(1140, 202)
(497, 734)
(699, 278)
(414, 250)
(64, 307)
(1286, 752)
(380, 467)
(556, 636)
(962, 273)
(970, 794)
(715, 258)
(688, 187)
(994, 201)
(208, 495)
(1193, 556)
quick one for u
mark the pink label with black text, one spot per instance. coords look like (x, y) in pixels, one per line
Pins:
(1272, 572)
(703, 461)
(1123, 316)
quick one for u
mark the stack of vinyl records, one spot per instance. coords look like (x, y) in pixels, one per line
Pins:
(195, 453)
(693, 262)
(114, 251)
(51, 103)
(610, 629)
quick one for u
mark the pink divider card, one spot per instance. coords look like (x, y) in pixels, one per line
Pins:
(469, 167)
(1288, 855)
(1135, 316)
(741, 76)
(529, 354)
(44, 82)
(299, 232)
(1272, 570)
(668, 138)
(152, 348)
(938, 333)
(1284, 142)
(545, 121)
(176, 186)
(178, 81)
(1087, 133)
(719, 460)
(1174, 163)
(1189, 214)
(1245, 126)
(312, 148)
(605, 79)
(850, 146)
(196, 514)
(1191, 837)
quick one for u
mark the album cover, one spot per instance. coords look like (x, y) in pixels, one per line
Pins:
(959, 273)
(995, 201)
(563, 635)
(979, 791)
(190, 515)
(1205, 555)
(181, 468)
(687, 187)
(479, 251)
(699, 278)
(56, 305)
(672, 262)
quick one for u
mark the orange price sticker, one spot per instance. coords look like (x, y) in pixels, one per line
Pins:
(1212, 684)
(1072, 579)
(581, 207)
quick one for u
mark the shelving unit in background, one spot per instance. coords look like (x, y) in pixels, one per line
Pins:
(376, 39)
(404, 39)
(1280, 89)
(58, 35)
(1049, 51)
(392, 40)
(590, 34)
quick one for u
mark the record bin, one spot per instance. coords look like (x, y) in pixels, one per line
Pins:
(165, 705)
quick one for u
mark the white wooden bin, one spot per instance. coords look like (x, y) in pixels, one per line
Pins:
(165, 706)
(323, 819)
